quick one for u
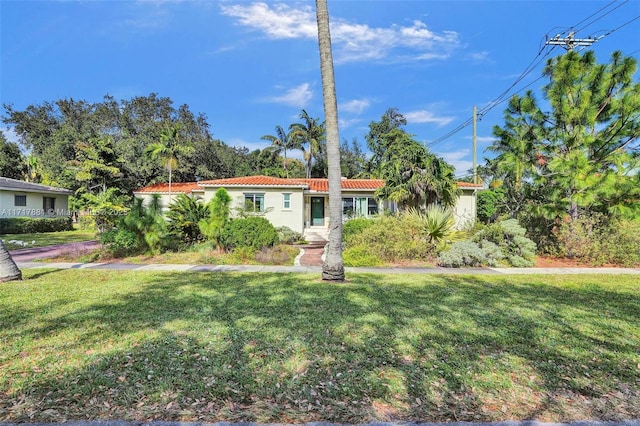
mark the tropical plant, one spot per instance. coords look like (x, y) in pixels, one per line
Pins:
(147, 223)
(168, 149)
(184, 215)
(333, 266)
(9, 271)
(212, 226)
(283, 141)
(436, 223)
(311, 133)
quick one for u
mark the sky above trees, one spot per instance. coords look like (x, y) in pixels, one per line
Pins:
(250, 66)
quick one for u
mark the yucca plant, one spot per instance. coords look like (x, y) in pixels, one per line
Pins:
(436, 223)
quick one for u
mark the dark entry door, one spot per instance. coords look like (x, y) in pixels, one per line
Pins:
(317, 211)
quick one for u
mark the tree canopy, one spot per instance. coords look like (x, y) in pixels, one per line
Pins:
(579, 151)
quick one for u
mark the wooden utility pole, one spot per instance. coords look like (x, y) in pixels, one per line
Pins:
(475, 148)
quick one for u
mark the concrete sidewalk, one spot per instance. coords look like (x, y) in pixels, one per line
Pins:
(318, 269)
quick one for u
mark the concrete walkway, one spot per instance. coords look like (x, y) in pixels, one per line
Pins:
(317, 269)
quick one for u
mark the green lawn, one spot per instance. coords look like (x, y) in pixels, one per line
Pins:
(48, 238)
(289, 348)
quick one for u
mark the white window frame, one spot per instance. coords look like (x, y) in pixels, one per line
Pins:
(286, 201)
(21, 197)
(252, 196)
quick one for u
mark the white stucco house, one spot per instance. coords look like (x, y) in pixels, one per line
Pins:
(26, 199)
(300, 204)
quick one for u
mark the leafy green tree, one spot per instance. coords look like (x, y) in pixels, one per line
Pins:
(583, 155)
(333, 266)
(12, 162)
(413, 176)
(354, 160)
(219, 209)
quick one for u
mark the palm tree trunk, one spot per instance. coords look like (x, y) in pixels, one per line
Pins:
(333, 267)
(8, 269)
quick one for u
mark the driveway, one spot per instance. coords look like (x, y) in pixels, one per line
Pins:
(29, 254)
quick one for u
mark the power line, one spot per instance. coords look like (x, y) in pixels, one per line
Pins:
(534, 63)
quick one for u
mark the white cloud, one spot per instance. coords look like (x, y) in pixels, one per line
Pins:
(355, 106)
(252, 146)
(278, 22)
(479, 56)
(297, 96)
(10, 135)
(423, 116)
(458, 159)
(343, 124)
(352, 42)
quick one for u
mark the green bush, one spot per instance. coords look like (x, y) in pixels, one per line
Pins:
(502, 242)
(278, 255)
(392, 239)
(121, 243)
(597, 241)
(462, 253)
(355, 226)
(253, 232)
(518, 250)
(30, 225)
(360, 256)
(287, 235)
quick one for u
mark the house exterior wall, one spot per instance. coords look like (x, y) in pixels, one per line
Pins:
(33, 206)
(465, 210)
(274, 210)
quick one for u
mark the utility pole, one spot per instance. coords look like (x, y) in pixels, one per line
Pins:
(475, 160)
(570, 42)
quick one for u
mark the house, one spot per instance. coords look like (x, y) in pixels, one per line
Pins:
(26, 199)
(301, 204)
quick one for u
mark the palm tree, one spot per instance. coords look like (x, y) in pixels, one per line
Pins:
(167, 149)
(333, 267)
(281, 142)
(310, 132)
(9, 271)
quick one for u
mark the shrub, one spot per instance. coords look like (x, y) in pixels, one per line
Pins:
(462, 253)
(30, 225)
(184, 215)
(391, 239)
(502, 242)
(278, 255)
(360, 256)
(510, 237)
(287, 235)
(253, 232)
(355, 226)
(120, 242)
(597, 241)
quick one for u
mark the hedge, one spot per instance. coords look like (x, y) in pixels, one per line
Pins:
(29, 225)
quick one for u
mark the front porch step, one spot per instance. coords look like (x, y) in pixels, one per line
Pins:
(318, 235)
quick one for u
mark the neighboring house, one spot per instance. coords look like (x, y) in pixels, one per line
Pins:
(21, 199)
(301, 204)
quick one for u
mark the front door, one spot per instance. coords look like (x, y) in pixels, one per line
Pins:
(317, 211)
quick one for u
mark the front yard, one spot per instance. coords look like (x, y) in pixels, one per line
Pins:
(289, 348)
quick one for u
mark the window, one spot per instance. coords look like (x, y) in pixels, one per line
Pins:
(286, 201)
(359, 207)
(48, 204)
(20, 200)
(254, 203)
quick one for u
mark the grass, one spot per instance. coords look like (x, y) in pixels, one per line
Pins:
(99, 344)
(48, 238)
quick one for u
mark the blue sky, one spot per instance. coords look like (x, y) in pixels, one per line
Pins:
(249, 66)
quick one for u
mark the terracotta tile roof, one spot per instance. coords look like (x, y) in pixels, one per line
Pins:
(176, 187)
(254, 181)
(322, 185)
(317, 185)
(469, 185)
